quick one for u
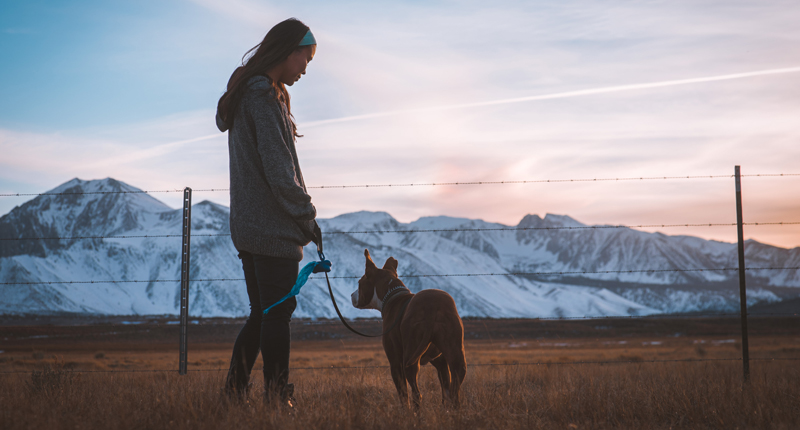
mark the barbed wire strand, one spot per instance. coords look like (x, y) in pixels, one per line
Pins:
(665, 316)
(587, 227)
(416, 276)
(439, 230)
(143, 236)
(421, 184)
(537, 363)
(80, 193)
(538, 181)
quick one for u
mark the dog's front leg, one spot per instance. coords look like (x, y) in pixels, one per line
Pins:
(399, 378)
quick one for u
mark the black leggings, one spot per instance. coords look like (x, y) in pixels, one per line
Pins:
(268, 279)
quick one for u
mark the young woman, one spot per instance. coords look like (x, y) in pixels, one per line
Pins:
(272, 217)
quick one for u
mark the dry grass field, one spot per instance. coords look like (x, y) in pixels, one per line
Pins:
(63, 381)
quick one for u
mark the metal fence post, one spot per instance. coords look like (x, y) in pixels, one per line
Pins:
(185, 263)
(742, 287)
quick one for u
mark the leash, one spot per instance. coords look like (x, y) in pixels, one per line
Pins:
(325, 266)
(335, 306)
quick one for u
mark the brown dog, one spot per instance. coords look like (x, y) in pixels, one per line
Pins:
(429, 330)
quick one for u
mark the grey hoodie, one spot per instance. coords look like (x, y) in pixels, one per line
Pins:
(271, 212)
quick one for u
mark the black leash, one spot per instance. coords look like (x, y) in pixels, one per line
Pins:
(335, 306)
(394, 324)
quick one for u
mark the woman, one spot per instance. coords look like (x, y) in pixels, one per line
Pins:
(272, 217)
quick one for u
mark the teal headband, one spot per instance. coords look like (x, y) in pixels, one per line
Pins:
(308, 39)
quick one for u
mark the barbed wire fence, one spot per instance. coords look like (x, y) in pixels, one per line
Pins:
(185, 262)
(412, 231)
(440, 275)
(422, 184)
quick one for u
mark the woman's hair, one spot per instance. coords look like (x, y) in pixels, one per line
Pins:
(279, 42)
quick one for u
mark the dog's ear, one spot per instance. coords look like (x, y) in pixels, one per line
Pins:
(371, 267)
(391, 265)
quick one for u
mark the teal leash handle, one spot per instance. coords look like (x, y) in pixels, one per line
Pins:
(302, 277)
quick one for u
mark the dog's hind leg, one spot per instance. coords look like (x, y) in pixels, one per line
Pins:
(458, 370)
(444, 376)
(411, 377)
(452, 347)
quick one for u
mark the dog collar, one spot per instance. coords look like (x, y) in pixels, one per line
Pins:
(396, 291)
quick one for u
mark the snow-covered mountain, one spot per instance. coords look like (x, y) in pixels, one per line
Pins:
(87, 211)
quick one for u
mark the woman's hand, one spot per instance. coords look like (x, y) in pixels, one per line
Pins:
(311, 231)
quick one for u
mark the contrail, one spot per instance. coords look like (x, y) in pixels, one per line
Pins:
(156, 151)
(563, 95)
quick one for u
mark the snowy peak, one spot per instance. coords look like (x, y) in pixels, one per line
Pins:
(362, 221)
(77, 185)
(550, 220)
(440, 222)
(209, 217)
(77, 208)
(78, 192)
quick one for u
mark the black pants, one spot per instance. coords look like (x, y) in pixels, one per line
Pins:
(268, 279)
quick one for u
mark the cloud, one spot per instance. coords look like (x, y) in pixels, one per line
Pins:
(492, 91)
(617, 134)
(568, 94)
(143, 155)
(257, 14)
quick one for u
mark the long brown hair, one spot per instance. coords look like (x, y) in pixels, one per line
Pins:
(279, 42)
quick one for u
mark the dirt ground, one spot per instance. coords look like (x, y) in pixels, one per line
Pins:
(103, 344)
(650, 373)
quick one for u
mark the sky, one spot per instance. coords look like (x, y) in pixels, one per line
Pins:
(418, 92)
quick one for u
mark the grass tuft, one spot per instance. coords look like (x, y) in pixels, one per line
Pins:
(53, 378)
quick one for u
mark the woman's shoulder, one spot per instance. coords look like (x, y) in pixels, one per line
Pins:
(259, 83)
(259, 90)
(259, 99)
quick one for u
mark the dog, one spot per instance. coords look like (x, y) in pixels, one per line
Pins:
(422, 328)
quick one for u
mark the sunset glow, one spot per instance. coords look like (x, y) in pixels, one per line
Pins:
(414, 93)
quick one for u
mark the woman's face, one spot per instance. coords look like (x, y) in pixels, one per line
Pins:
(295, 65)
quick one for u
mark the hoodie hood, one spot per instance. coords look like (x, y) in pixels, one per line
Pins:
(221, 125)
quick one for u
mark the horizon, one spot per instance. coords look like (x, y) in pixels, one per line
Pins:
(420, 218)
(428, 92)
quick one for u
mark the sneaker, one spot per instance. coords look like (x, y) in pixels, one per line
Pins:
(286, 396)
(237, 393)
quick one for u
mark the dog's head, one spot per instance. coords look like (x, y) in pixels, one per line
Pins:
(373, 286)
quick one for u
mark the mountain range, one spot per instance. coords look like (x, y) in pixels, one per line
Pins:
(109, 211)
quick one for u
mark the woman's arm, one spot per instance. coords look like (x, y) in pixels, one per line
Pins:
(278, 159)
